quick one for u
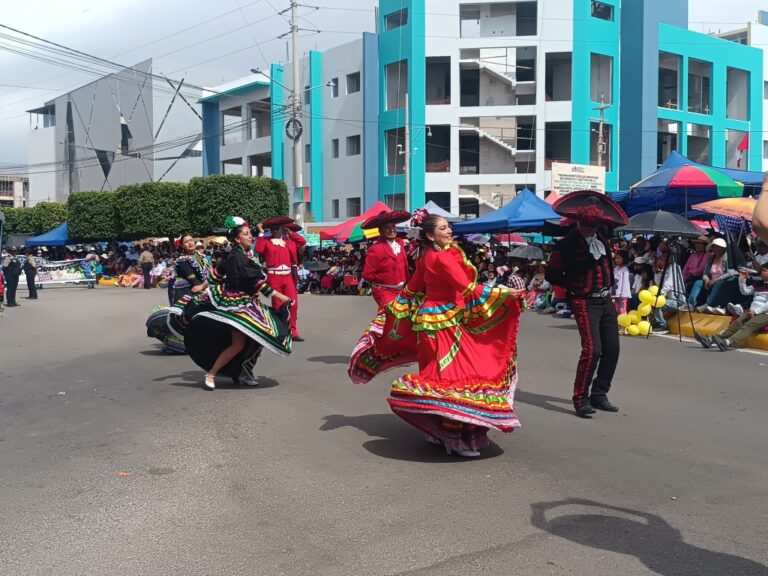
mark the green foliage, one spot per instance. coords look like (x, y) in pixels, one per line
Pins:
(38, 219)
(93, 216)
(213, 198)
(152, 209)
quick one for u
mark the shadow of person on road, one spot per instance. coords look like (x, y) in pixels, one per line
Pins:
(194, 379)
(330, 359)
(543, 401)
(647, 537)
(398, 441)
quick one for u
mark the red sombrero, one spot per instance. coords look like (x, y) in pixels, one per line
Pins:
(590, 207)
(293, 227)
(383, 217)
(277, 221)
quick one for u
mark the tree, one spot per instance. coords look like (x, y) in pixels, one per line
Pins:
(213, 198)
(92, 216)
(47, 216)
(152, 209)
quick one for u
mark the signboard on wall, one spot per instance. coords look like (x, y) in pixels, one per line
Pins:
(567, 178)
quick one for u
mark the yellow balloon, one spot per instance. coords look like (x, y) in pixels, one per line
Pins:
(645, 296)
(660, 301)
(633, 330)
(624, 320)
(644, 309)
(634, 316)
(654, 290)
(644, 328)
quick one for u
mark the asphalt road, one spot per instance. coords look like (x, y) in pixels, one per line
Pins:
(113, 461)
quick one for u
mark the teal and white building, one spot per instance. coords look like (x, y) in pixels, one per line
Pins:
(490, 94)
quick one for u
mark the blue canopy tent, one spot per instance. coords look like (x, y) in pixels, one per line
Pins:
(526, 212)
(57, 237)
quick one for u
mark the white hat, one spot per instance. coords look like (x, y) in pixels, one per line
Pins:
(718, 242)
(199, 243)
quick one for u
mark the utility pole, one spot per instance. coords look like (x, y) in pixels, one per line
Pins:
(601, 148)
(298, 156)
(407, 167)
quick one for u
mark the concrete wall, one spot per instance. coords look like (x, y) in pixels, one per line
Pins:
(41, 149)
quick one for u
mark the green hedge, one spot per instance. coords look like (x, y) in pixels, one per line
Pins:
(38, 219)
(93, 216)
(152, 209)
(213, 198)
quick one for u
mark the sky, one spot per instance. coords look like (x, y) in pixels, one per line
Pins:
(207, 43)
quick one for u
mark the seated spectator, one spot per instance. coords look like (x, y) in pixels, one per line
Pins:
(491, 279)
(538, 287)
(750, 322)
(694, 266)
(672, 288)
(642, 281)
(716, 273)
(132, 278)
(760, 256)
(158, 270)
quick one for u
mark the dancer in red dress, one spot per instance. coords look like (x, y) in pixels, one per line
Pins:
(466, 347)
(276, 255)
(386, 263)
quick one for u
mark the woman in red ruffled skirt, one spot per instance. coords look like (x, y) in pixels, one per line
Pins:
(464, 337)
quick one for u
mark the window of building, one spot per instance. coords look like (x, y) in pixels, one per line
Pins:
(557, 81)
(736, 149)
(438, 145)
(438, 80)
(306, 95)
(353, 83)
(231, 126)
(234, 166)
(737, 103)
(699, 143)
(395, 142)
(601, 79)
(699, 86)
(335, 148)
(396, 19)
(396, 77)
(334, 87)
(765, 90)
(353, 145)
(669, 80)
(395, 201)
(307, 151)
(557, 143)
(765, 149)
(602, 10)
(600, 148)
(353, 207)
(667, 139)
(442, 199)
(335, 209)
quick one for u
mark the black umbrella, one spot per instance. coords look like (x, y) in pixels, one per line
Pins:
(660, 222)
(318, 266)
(527, 253)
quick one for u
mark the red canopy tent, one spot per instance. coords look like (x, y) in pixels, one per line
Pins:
(347, 225)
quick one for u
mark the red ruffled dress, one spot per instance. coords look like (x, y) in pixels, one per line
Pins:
(464, 337)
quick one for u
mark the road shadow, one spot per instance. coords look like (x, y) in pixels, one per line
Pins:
(154, 352)
(551, 403)
(225, 383)
(330, 359)
(396, 440)
(647, 537)
(187, 376)
(571, 326)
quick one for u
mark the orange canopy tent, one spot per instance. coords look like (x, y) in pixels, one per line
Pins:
(738, 207)
(346, 226)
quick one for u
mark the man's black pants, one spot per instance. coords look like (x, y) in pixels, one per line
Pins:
(146, 269)
(31, 284)
(596, 319)
(11, 283)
